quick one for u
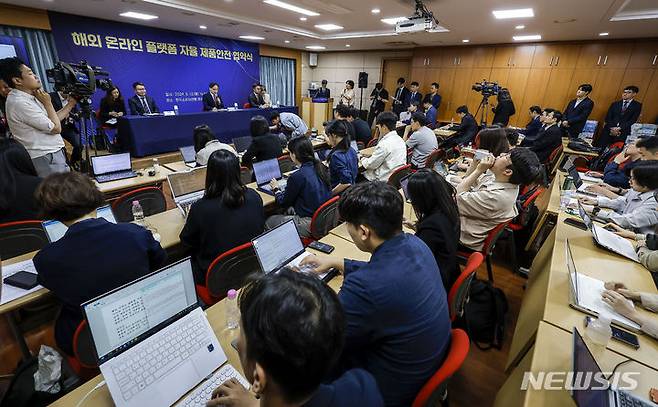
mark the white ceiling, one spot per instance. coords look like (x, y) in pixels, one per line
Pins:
(555, 20)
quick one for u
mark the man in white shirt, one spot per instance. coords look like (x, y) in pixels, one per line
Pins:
(32, 118)
(422, 141)
(390, 152)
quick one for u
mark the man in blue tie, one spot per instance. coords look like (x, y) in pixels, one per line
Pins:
(141, 103)
(621, 115)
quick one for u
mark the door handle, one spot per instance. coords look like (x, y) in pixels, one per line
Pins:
(509, 61)
(605, 60)
(557, 60)
(599, 61)
(459, 61)
(551, 62)
(454, 61)
(655, 57)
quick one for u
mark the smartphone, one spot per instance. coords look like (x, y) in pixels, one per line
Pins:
(22, 279)
(620, 335)
(576, 223)
(321, 247)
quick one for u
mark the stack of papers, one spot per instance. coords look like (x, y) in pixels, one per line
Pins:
(10, 293)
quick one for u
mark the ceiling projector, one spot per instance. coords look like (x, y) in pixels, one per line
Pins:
(421, 20)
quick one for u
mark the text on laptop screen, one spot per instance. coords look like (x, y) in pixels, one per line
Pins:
(267, 170)
(278, 246)
(121, 316)
(111, 163)
(56, 229)
(188, 153)
(241, 144)
(188, 182)
(583, 365)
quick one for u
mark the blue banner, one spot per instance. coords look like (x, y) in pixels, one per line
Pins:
(175, 67)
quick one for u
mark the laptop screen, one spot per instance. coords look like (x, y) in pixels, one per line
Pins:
(241, 144)
(183, 183)
(188, 153)
(128, 314)
(584, 364)
(573, 172)
(584, 216)
(404, 183)
(56, 229)
(278, 246)
(267, 170)
(105, 164)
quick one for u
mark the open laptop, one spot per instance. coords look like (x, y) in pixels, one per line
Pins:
(56, 229)
(241, 144)
(266, 171)
(187, 187)
(112, 167)
(607, 239)
(153, 340)
(282, 247)
(404, 184)
(586, 391)
(189, 155)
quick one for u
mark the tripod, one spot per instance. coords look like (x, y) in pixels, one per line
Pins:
(87, 132)
(484, 114)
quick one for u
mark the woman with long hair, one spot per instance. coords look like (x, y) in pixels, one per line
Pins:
(205, 143)
(264, 146)
(343, 160)
(504, 109)
(18, 181)
(112, 106)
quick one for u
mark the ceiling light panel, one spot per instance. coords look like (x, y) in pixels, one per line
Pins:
(533, 37)
(139, 16)
(515, 13)
(329, 27)
(393, 20)
(291, 7)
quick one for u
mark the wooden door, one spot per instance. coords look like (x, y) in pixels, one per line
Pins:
(483, 57)
(644, 55)
(616, 56)
(559, 90)
(465, 57)
(417, 74)
(637, 77)
(419, 58)
(448, 57)
(606, 91)
(394, 69)
(431, 75)
(461, 88)
(650, 101)
(591, 55)
(580, 77)
(500, 75)
(517, 83)
(544, 55)
(503, 56)
(535, 91)
(434, 57)
(446, 84)
(566, 56)
(522, 57)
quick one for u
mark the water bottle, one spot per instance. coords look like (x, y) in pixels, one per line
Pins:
(278, 104)
(156, 165)
(138, 213)
(599, 330)
(232, 311)
(235, 105)
(176, 110)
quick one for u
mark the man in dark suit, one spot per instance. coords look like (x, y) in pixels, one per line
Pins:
(212, 101)
(413, 95)
(256, 97)
(534, 125)
(549, 136)
(141, 103)
(399, 98)
(466, 131)
(70, 132)
(577, 111)
(323, 92)
(379, 98)
(620, 117)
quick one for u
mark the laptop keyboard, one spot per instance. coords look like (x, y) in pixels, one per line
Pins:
(160, 357)
(628, 400)
(202, 394)
(115, 176)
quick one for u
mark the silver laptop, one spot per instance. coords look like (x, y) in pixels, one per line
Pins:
(266, 171)
(607, 239)
(583, 386)
(112, 167)
(56, 229)
(153, 341)
(189, 155)
(187, 187)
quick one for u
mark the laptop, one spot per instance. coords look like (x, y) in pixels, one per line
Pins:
(189, 155)
(404, 183)
(282, 247)
(187, 187)
(607, 239)
(112, 167)
(578, 182)
(266, 171)
(56, 229)
(586, 391)
(241, 144)
(585, 295)
(153, 340)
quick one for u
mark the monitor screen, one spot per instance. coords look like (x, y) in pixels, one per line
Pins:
(241, 144)
(56, 229)
(188, 153)
(584, 365)
(266, 171)
(278, 246)
(105, 164)
(183, 183)
(118, 318)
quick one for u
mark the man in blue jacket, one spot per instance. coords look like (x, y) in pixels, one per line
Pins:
(577, 111)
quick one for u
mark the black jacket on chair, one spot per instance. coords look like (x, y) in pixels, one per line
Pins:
(136, 107)
(577, 115)
(209, 102)
(616, 118)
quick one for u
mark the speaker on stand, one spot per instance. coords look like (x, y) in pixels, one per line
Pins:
(363, 84)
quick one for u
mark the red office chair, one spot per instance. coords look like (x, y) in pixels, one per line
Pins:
(398, 174)
(488, 248)
(372, 142)
(436, 389)
(286, 164)
(17, 238)
(246, 106)
(324, 219)
(551, 163)
(151, 199)
(228, 271)
(458, 295)
(83, 361)
(434, 157)
(245, 175)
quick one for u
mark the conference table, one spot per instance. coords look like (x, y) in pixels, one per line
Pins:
(148, 135)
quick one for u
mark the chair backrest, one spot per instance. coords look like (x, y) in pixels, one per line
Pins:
(230, 269)
(552, 162)
(246, 106)
(21, 237)
(492, 238)
(523, 203)
(372, 142)
(434, 157)
(286, 164)
(245, 175)
(459, 290)
(83, 346)
(436, 386)
(325, 218)
(151, 199)
(398, 174)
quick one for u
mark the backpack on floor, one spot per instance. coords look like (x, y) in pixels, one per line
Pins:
(484, 315)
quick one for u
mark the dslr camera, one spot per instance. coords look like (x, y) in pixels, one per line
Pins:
(487, 88)
(79, 80)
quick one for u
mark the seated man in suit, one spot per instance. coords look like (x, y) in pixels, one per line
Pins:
(69, 132)
(621, 115)
(413, 95)
(577, 111)
(256, 98)
(141, 103)
(466, 131)
(534, 125)
(548, 138)
(211, 100)
(430, 112)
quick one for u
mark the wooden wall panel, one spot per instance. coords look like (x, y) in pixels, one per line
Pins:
(24, 17)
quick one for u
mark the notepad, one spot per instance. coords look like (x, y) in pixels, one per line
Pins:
(10, 293)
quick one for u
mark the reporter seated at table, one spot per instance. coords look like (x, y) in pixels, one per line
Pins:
(291, 337)
(94, 256)
(287, 123)
(512, 135)
(405, 117)
(343, 160)
(617, 172)
(486, 202)
(398, 327)
(212, 101)
(307, 188)
(534, 125)
(18, 181)
(141, 103)
(389, 153)
(228, 215)
(622, 300)
(433, 200)
(646, 245)
(493, 140)
(636, 209)
(264, 145)
(255, 98)
(205, 143)
(344, 113)
(362, 131)
(466, 130)
(112, 106)
(422, 141)
(548, 138)
(430, 112)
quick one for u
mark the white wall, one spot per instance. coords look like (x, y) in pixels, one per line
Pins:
(338, 67)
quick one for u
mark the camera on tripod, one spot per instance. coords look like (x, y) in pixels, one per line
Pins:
(79, 80)
(487, 88)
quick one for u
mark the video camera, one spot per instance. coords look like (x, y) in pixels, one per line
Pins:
(487, 88)
(79, 80)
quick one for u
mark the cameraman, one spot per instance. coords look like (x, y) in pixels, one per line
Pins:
(32, 118)
(70, 132)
